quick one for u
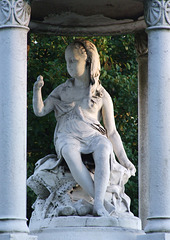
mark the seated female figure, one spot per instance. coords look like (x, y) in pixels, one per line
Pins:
(79, 104)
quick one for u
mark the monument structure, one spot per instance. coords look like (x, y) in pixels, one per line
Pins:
(79, 104)
(83, 18)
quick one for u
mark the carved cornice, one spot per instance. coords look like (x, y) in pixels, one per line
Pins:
(14, 13)
(157, 13)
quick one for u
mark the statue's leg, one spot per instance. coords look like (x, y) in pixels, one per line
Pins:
(101, 157)
(79, 171)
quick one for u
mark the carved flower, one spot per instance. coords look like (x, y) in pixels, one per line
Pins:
(167, 11)
(5, 11)
(22, 11)
(153, 12)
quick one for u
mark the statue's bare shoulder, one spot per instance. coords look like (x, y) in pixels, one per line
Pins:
(56, 93)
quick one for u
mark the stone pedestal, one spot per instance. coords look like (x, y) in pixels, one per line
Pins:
(88, 233)
(16, 236)
(89, 228)
(154, 236)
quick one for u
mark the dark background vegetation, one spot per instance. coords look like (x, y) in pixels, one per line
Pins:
(118, 76)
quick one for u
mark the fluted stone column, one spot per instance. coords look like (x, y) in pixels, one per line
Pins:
(157, 15)
(143, 161)
(14, 20)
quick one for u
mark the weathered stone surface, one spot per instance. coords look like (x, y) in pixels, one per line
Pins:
(87, 17)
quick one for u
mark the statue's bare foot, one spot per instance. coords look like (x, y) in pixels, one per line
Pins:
(100, 211)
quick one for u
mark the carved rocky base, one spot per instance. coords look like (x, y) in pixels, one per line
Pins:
(64, 211)
(89, 228)
(59, 195)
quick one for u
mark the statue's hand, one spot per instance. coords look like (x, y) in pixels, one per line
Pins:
(39, 83)
(131, 167)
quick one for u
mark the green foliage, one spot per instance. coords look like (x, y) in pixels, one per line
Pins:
(118, 76)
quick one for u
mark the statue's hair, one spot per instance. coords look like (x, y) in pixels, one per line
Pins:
(93, 59)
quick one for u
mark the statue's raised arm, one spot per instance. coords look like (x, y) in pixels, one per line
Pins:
(40, 107)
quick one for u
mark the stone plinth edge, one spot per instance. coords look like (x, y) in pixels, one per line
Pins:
(129, 222)
(89, 228)
(88, 233)
(17, 236)
(155, 236)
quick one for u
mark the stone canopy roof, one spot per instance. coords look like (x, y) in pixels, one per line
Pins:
(87, 17)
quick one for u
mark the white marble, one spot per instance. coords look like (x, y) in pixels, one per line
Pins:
(155, 236)
(91, 233)
(122, 221)
(16, 236)
(58, 194)
(80, 228)
(79, 104)
(13, 49)
(143, 158)
(143, 161)
(159, 130)
(14, 20)
(158, 30)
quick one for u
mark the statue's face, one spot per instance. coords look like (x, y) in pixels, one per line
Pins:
(76, 63)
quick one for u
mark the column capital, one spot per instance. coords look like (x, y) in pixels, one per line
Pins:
(157, 14)
(14, 13)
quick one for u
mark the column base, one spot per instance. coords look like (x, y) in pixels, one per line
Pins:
(12, 225)
(16, 236)
(157, 224)
(154, 236)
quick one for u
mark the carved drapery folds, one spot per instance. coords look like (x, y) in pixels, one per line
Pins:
(157, 13)
(14, 13)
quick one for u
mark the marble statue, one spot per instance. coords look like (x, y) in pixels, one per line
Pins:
(79, 105)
